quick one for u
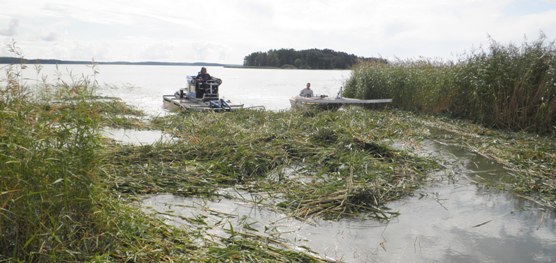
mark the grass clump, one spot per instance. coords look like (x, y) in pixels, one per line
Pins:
(48, 163)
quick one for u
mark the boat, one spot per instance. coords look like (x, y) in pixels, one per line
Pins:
(325, 102)
(200, 96)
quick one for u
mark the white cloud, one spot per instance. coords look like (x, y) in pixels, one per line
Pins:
(11, 29)
(52, 36)
(226, 31)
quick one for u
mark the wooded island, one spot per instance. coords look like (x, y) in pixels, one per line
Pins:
(305, 59)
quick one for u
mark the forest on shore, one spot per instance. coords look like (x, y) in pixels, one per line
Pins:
(306, 59)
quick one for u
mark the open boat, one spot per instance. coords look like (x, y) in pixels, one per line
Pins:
(325, 102)
(200, 96)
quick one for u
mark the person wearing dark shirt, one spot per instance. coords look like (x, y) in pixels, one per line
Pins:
(201, 84)
(203, 75)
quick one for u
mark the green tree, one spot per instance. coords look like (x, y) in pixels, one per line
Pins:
(309, 58)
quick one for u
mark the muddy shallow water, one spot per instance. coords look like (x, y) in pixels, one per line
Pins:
(454, 219)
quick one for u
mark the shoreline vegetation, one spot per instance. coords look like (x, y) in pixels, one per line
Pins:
(503, 87)
(69, 194)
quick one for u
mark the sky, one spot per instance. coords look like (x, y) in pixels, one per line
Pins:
(225, 31)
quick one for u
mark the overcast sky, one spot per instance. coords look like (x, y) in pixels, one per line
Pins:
(225, 31)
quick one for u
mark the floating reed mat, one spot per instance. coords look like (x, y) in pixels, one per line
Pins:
(345, 202)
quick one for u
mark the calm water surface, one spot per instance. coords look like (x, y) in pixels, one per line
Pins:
(143, 86)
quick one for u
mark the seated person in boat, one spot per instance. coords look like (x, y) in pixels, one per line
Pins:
(306, 92)
(200, 82)
(203, 75)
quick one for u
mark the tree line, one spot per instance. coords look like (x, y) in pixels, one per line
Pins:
(305, 59)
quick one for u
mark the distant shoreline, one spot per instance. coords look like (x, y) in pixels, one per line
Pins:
(14, 60)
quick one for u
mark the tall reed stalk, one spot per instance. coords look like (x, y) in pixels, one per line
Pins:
(48, 162)
(508, 87)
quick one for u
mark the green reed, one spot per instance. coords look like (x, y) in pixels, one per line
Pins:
(48, 160)
(507, 87)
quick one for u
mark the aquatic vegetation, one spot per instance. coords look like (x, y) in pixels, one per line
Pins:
(505, 87)
(313, 164)
(54, 203)
(346, 152)
(48, 164)
(344, 157)
(530, 157)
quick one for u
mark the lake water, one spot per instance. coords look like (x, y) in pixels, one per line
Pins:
(448, 221)
(143, 86)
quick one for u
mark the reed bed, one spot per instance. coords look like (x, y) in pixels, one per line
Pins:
(48, 163)
(506, 87)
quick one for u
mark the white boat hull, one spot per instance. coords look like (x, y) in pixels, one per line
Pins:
(299, 102)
